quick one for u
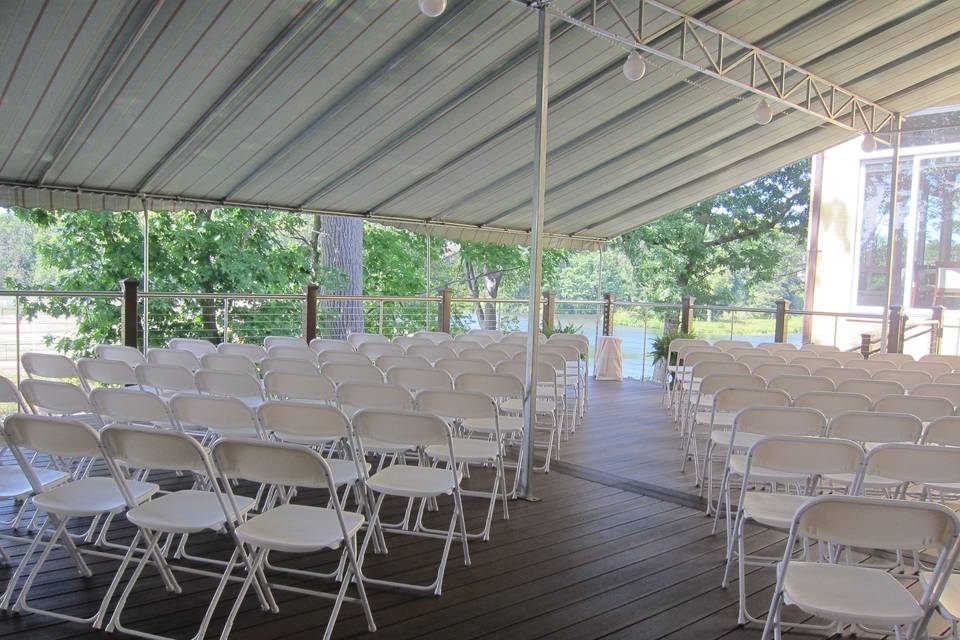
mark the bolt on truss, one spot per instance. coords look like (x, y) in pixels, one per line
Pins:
(672, 35)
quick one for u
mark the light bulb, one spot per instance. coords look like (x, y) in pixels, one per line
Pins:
(763, 114)
(634, 67)
(869, 144)
(432, 8)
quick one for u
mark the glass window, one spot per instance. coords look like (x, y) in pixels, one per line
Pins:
(936, 268)
(872, 281)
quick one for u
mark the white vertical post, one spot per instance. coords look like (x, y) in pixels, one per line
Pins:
(145, 277)
(525, 488)
(429, 268)
(891, 231)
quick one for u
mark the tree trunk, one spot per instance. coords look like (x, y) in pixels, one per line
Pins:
(474, 286)
(342, 250)
(492, 285)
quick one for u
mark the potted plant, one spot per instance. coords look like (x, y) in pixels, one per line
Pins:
(660, 349)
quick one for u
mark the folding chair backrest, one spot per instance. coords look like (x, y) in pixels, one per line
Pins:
(726, 345)
(877, 523)
(846, 357)
(774, 347)
(508, 348)
(374, 350)
(289, 365)
(520, 337)
(105, 371)
(407, 428)
(436, 337)
(273, 463)
(131, 406)
(495, 385)
(9, 393)
(146, 448)
(293, 353)
(194, 346)
(915, 463)
(953, 361)
(342, 357)
(296, 386)
(944, 431)
(703, 369)
(131, 356)
(873, 389)
(420, 379)
(770, 371)
(357, 339)
(679, 343)
(949, 391)
(896, 359)
(780, 420)
(545, 373)
(798, 385)
(694, 358)
(715, 382)
(49, 365)
(870, 366)
(61, 398)
(406, 342)
(284, 341)
(340, 373)
(493, 334)
(909, 379)
(832, 403)
(935, 369)
(385, 363)
(325, 344)
(481, 339)
(252, 352)
(840, 374)
(737, 398)
(228, 384)
(173, 358)
(814, 363)
(456, 404)
(554, 360)
(431, 353)
(459, 366)
(54, 436)
(165, 377)
(230, 363)
(739, 352)
(924, 407)
(224, 416)
(948, 378)
(353, 396)
(293, 420)
(874, 427)
(820, 348)
(755, 361)
(491, 357)
(802, 454)
(457, 347)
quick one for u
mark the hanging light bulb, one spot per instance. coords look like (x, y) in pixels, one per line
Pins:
(634, 67)
(432, 8)
(869, 144)
(763, 114)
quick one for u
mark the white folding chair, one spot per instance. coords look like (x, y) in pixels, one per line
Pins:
(405, 342)
(340, 373)
(755, 361)
(432, 353)
(948, 378)
(840, 374)
(457, 347)
(796, 386)
(927, 408)
(870, 366)
(252, 352)
(62, 399)
(827, 349)
(218, 417)
(943, 431)
(290, 352)
(935, 369)
(343, 357)
(423, 482)
(814, 363)
(775, 347)
(459, 366)
(51, 366)
(197, 347)
(549, 418)
(105, 372)
(953, 361)
(353, 396)
(289, 527)
(165, 380)
(87, 497)
(385, 363)
(493, 334)
(325, 344)
(909, 379)
(833, 403)
(510, 349)
(938, 390)
(867, 597)
(769, 371)
(871, 428)
(374, 350)
(420, 379)
(281, 385)
(229, 363)
(794, 455)
(847, 357)
(732, 344)
(288, 365)
(481, 339)
(436, 337)
(173, 358)
(469, 405)
(487, 355)
(130, 355)
(132, 407)
(228, 384)
(284, 341)
(873, 389)
(357, 339)
(895, 359)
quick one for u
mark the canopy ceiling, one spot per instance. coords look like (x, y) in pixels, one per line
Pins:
(370, 108)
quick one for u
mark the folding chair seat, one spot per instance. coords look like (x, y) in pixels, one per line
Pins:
(436, 337)
(431, 353)
(927, 408)
(61, 399)
(87, 497)
(288, 352)
(833, 403)
(220, 417)
(871, 428)
(242, 386)
(796, 386)
(457, 406)
(895, 359)
(340, 373)
(374, 350)
(873, 389)
(909, 379)
(173, 358)
(343, 357)
(176, 513)
(165, 379)
(198, 348)
(288, 527)
(414, 380)
(935, 369)
(325, 344)
(424, 483)
(280, 385)
(800, 455)
(229, 363)
(459, 366)
(252, 352)
(105, 372)
(938, 390)
(866, 597)
(385, 363)
(491, 357)
(130, 355)
(289, 365)
(356, 339)
(51, 366)
(284, 341)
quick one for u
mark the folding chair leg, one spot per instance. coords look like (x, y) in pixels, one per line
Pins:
(252, 574)
(24, 562)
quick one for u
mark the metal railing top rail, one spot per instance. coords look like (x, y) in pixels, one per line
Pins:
(41, 293)
(836, 314)
(647, 305)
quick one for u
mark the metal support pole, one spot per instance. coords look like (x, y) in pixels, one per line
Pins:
(936, 331)
(596, 332)
(525, 487)
(429, 269)
(446, 308)
(885, 327)
(686, 314)
(129, 311)
(895, 327)
(17, 312)
(145, 276)
(865, 340)
(608, 313)
(310, 312)
(780, 324)
(549, 312)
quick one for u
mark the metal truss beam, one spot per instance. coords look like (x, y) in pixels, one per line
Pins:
(714, 53)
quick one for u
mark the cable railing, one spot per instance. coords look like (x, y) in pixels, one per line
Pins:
(74, 322)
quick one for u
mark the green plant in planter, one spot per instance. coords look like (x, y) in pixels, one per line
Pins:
(660, 348)
(564, 328)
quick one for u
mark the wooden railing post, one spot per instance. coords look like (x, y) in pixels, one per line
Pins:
(936, 332)
(608, 309)
(895, 329)
(549, 311)
(310, 313)
(446, 307)
(865, 340)
(686, 314)
(780, 326)
(131, 320)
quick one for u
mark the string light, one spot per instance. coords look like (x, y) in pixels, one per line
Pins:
(432, 8)
(763, 114)
(634, 67)
(869, 144)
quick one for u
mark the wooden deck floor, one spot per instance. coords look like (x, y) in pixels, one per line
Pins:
(605, 557)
